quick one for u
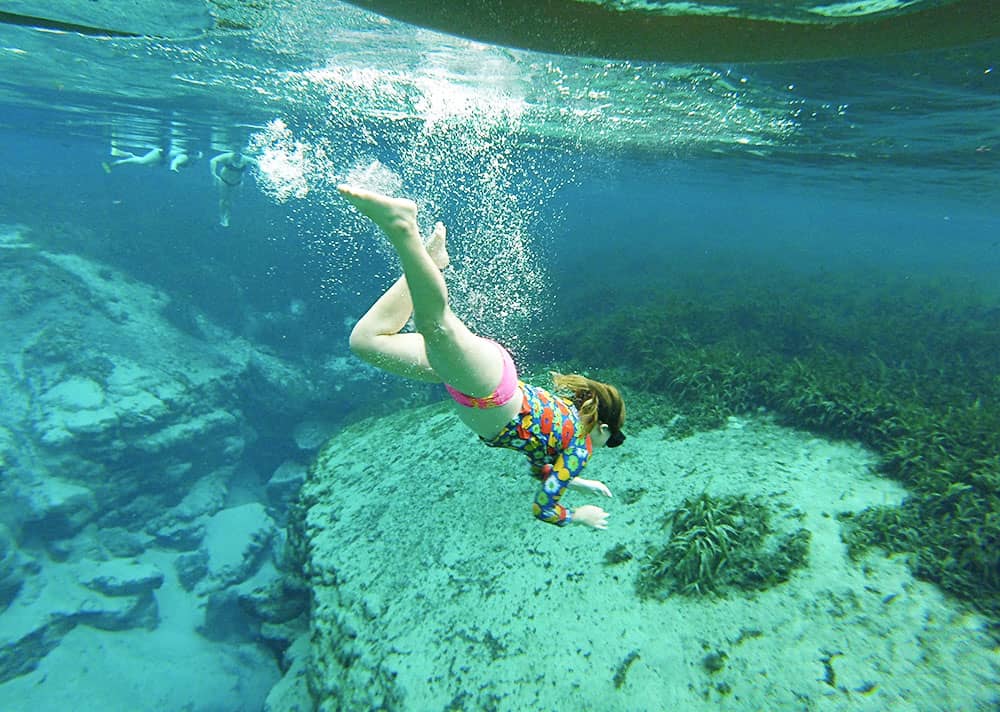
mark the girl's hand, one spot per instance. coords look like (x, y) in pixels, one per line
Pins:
(591, 486)
(599, 487)
(592, 516)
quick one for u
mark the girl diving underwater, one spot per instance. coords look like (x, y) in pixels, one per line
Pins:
(557, 435)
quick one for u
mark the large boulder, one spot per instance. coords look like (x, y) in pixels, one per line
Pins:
(56, 509)
(236, 542)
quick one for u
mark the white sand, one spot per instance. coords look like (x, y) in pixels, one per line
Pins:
(163, 670)
(456, 591)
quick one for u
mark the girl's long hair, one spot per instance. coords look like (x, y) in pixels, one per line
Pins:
(596, 401)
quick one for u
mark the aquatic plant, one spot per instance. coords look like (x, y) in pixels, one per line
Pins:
(721, 543)
(907, 367)
(622, 671)
(617, 555)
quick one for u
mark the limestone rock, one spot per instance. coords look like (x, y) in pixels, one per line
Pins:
(226, 621)
(57, 509)
(75, 394)
(11, 572)
(311, 434)
(291, 694)
(283, 389)
(285, 483)
(180, 535)
(51, 605)
(235, 540)
(269, 597)
(205, 427)
(94, 394)
(272, 596)
(191, 568)
(120, 577)
(183, 527)
(206, 497)
(120, 542)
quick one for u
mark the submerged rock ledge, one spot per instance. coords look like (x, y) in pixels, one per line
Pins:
(136, 438)
(433, 586)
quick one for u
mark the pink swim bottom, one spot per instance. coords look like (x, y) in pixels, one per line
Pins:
(503, 393)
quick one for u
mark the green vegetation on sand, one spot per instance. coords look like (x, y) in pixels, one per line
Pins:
(910, 369)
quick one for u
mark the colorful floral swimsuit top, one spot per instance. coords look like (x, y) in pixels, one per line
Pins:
(546, 431)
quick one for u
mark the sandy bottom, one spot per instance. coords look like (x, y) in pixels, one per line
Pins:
(467, 602)
(171, 668)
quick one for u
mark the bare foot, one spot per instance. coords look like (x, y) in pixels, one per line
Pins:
(436, 247)
(396, 216)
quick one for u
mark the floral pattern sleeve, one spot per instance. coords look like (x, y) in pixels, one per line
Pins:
(546, 431)
(555, 478)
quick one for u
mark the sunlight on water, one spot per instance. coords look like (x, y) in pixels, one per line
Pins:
(860, 9)
(443, 100)
(457, 152)
(787, 11)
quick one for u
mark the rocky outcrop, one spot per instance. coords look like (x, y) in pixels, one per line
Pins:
(291, 694)
(120, 577)
(124, 423)
(125, 410)
(284, 485)
(434, 587)
(376, 525)
(56, 509)
(58, 598)
(102, 390)
(11, 568)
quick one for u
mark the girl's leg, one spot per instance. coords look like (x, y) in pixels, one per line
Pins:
(154, 155)
(225, 203)
(377, 340)
(461, 359)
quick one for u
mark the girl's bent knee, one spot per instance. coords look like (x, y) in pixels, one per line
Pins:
(360, 343)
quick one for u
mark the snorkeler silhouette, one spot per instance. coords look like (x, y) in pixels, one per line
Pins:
(557, 435)
(227, 173)
(181, 158)
(153, 157)
(178, 157)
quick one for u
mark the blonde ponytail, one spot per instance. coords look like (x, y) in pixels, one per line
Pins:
(594, 400)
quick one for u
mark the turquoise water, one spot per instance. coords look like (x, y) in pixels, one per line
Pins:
(167, 379)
